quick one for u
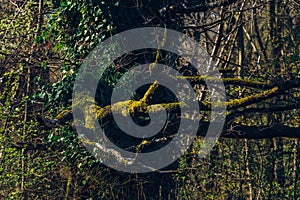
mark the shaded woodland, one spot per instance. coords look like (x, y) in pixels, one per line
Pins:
(255, 46)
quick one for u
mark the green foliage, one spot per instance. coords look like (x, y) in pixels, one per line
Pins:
(38, 70)
(80, 25)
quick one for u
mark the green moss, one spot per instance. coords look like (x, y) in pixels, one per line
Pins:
(239, 102)
(150, 91)
(227, 81)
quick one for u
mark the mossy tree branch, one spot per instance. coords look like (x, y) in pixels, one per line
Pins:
(229, 81)
(129, 106)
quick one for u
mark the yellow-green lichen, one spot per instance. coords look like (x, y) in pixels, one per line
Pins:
(150, 91)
